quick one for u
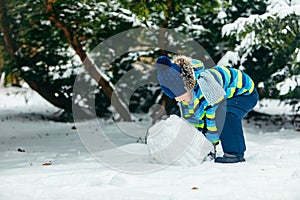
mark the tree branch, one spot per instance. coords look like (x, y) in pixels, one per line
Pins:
(88, 64)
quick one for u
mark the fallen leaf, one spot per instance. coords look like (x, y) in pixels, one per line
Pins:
(47, 164)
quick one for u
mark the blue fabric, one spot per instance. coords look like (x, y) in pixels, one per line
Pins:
(212, 137)
(169, 77)
(229, 119)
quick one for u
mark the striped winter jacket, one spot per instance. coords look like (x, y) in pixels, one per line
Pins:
(200, 113)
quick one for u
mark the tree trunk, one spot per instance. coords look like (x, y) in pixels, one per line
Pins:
(90, 67)
(44, 89)
(47, 92)
(5, 28)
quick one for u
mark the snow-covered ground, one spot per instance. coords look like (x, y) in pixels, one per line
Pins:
(42, 159)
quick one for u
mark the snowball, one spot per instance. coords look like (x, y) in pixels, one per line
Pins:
(175, 141)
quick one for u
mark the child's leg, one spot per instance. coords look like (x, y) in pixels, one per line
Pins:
(232, 136)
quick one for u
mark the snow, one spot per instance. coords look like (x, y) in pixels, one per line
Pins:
(24, 100)
(175, 141)
(229, 59)
(267, 106)
(282, 8)
(289, 84)
(46, 22)
(278, 8)
(272, 170)
(240, 24)
(297, 51)
(222, 15)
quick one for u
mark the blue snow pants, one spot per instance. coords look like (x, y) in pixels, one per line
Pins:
(229, 119)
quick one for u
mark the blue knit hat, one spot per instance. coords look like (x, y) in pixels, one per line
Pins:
(169, 77)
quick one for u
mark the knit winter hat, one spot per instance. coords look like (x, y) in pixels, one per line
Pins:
(169, 77)
(179, 77)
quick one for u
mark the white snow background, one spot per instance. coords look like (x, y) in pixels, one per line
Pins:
(43, 159)
(272, 170)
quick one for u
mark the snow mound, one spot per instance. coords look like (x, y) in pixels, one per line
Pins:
(23, 100)
(128, 158)
(174, 141)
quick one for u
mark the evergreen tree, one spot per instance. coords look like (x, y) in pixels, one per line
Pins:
(46, 42)
(42, 39)
(268, 48)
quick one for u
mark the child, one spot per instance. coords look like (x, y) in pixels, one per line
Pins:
(214, 100)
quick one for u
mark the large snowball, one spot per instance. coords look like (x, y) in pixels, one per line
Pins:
(175, 141)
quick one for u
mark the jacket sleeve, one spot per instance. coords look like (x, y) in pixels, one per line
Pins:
(190, 115)
(212, 134)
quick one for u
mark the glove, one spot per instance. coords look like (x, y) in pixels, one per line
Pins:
(213, 138)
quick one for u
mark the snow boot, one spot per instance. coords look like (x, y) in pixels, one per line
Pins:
(228, 158)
